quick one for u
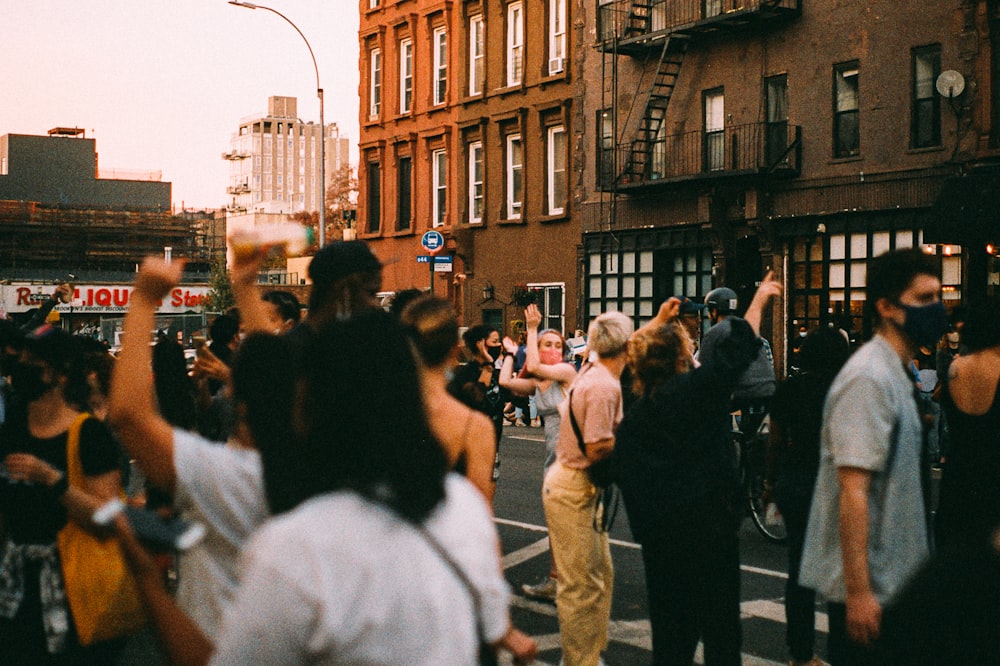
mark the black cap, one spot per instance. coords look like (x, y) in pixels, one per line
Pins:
(689, 307)
(340, 259)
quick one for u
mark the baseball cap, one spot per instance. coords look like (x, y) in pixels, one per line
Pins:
(689, 307)
(340, 259)
(723, 299)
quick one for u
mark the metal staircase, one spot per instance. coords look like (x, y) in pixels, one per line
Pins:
(639, 152)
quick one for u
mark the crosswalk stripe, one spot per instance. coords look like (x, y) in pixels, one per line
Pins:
(775, 611)
(526, 553)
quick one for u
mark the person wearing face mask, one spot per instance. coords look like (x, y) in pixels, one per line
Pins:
(677, 472)
(476, 383)
(548, 377)
(867, 532)
(49, 381)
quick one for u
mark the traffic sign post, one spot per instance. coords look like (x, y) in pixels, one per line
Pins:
(433, 242)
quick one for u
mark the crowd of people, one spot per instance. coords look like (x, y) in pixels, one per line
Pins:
(344, 467)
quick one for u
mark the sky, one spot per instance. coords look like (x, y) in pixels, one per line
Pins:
(162, 84)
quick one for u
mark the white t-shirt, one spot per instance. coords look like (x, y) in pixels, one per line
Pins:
(221, 486)
(342, 580)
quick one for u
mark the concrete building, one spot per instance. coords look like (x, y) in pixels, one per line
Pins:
(274, 161)
(732, 136)
(467, 128)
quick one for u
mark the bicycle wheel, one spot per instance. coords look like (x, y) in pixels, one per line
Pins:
(771, 527)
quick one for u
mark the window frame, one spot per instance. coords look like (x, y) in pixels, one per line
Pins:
(555, 200)
(928, 105)
(514, 172)
(842, 73)
(714, 129)
(405, 75)
(404, 204)
(477, 54)
(515, 44)
(474, 164)
(374, 82)
(439, 187)
(439, 40)
(557, 37)
(373, 195)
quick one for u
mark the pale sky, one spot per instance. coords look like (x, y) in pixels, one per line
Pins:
(162, 84)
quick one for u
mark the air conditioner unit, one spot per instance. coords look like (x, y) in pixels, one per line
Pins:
(556, 65)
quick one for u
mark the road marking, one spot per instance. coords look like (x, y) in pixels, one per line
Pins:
(775, 611)
(535, 549)
(525, 439)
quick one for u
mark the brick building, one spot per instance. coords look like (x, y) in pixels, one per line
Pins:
(735, 135)
(466, 128)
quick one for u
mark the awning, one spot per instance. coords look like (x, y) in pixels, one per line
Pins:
(967, 211)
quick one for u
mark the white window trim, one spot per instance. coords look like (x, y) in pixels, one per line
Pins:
(439, 184)
(515, 43)
(374, 82)
(440, 94)
(555, 207)
(557, 36)
(475, 149)
(514, 208)
(477, 53)
(405, 75)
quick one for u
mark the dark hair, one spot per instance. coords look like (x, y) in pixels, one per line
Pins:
(286, 302)
(65, 354)
(982, 326)
(174, 388)
(432, 325)
(403, 298)
(264, 375)
(891, 273)
(223, 329)
(345, 275)
(824, 351)
(476, 333)
(364, 421)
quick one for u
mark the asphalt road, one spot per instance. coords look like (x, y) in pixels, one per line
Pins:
(521, 524)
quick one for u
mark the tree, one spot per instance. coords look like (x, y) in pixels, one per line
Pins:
(220, 294)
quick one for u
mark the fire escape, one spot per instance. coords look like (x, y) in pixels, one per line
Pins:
(653, 37)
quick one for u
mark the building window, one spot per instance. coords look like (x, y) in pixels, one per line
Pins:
(846, 130)
(374, 197)
(440, 65)
(372, 4)
(926, 107)
(375, 83)
(556, 176)
(405, 75)
(557, 36)
(476, 182)
(515, 44)
(606, 149)
(515, 185)
(776, 99)
(715, 130)
(477, 54)
(551, 301)
(712, 8)
(404, 188)
(439, 166)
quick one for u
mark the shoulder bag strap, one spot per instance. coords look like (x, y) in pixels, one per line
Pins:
(74, 468)
(576, 426)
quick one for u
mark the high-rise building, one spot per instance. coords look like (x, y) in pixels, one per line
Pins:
(274, 161)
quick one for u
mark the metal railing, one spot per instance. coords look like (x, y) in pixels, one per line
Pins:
(757, 148)
(624, 19)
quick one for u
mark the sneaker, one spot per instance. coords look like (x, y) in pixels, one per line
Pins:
(544, 591)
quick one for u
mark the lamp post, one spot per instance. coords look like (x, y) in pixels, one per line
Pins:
(322, 126)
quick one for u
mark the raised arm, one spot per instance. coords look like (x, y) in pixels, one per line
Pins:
(669, 310)
(564, 373)
(768, 289)
(243, 275)
(132, 408)
(517, 385)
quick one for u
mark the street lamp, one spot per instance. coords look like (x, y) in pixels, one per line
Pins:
(322, 126)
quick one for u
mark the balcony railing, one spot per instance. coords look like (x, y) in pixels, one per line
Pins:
(238, 189)
(235, 155)
(757, 149)
(622, 22)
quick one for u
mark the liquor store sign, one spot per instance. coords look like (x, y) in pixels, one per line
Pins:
(101, 299)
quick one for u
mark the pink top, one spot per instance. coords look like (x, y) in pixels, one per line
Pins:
(597, 405)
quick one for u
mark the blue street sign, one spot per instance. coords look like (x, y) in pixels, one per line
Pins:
(432, 241)
(426, 259)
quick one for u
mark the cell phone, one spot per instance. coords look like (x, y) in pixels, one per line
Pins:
(200, 342)
(153, 530)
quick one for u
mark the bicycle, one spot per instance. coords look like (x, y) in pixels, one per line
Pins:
(752, 456)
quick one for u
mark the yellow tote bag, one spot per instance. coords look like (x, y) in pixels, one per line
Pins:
(99, 587)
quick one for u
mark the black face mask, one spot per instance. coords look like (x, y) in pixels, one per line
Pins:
(494, 352)
(28, 382)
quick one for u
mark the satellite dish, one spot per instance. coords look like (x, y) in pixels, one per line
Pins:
(950, 84)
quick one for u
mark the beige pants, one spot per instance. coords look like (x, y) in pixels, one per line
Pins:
(583, 559)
